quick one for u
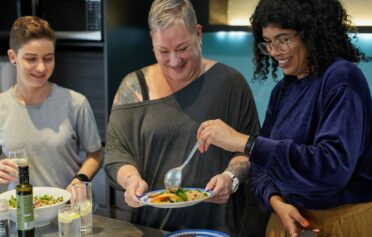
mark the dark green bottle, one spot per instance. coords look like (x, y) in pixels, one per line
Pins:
(25, 206)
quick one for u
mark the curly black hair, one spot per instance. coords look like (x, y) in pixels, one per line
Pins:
(323, 26)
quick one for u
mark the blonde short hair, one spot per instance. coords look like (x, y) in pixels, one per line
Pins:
(164, 13)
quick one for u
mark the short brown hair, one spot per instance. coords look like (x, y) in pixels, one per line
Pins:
(27, 28)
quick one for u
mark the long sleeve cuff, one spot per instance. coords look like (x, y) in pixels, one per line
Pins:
(263, 151)
(112, 173)
(270, 191)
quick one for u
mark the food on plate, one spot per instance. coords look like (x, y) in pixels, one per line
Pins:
(39, 201)
(180, 195)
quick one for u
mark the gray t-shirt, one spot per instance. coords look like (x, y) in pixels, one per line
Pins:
(50, 132)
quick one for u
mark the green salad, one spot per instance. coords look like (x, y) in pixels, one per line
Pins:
(39, 201)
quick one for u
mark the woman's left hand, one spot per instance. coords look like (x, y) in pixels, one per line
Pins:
(289, 215)
(221, 186)
(73, 181)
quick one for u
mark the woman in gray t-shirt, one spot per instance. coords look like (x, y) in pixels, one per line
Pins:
(48, 121)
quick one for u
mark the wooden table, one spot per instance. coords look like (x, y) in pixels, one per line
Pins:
(103, 227)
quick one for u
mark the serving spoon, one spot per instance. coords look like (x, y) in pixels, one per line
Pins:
(173, 177)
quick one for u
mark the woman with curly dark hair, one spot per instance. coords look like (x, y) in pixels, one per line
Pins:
(311, 164)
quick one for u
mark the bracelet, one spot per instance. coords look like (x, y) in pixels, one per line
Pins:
(249, 144)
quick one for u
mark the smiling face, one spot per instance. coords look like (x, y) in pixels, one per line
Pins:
(177, 50)
(34, 62)
(294, 61)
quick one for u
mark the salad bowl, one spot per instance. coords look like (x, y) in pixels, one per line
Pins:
(43, 213)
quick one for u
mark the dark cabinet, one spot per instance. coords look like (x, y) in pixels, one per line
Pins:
(10, 10)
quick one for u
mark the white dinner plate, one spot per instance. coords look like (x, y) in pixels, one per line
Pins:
(197, 233)
(145, 200)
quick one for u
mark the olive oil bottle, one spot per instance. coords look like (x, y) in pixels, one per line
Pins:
(25, 206)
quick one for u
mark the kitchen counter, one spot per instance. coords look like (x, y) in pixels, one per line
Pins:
(103, 227)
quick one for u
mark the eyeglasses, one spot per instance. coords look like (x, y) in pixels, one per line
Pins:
(281, 45)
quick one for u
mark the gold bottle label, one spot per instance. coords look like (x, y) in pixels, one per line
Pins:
(25, 212)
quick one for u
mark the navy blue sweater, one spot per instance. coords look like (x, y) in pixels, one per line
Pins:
(315, 146)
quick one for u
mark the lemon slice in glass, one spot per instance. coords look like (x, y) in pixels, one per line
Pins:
(85, 208)
(68, 217)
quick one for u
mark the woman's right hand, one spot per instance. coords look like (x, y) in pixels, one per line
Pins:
(218, 133)
(8, 171)
(289, 215)
(134, 188)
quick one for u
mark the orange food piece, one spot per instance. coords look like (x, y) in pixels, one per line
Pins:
(165, 197)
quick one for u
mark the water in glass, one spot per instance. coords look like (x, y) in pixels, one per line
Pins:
(82, 197)
(69, 221)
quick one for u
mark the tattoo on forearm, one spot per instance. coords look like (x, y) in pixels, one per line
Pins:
(239, 168)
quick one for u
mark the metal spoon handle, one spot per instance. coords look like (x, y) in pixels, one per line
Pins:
(191, 154)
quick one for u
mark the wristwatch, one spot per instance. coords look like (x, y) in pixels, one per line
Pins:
(82, 177)
(235, 180)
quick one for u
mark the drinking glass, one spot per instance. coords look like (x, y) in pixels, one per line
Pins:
(19, 157)
(69, 221)
(82, 197)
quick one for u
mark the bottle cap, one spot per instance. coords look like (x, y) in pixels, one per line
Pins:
(4, 205)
